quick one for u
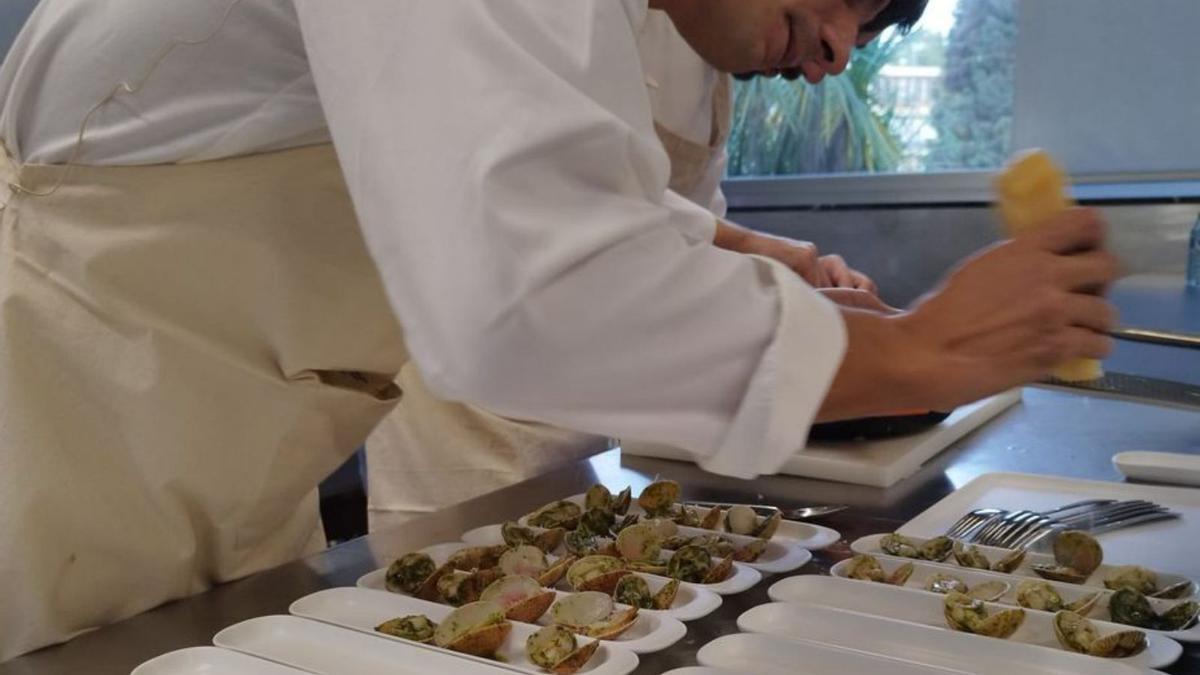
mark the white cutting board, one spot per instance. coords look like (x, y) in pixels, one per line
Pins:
(1167, 546)
(879, 463)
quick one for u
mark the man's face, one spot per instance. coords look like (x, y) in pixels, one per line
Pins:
(811, 37)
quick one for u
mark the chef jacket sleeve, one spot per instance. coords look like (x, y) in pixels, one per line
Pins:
(505, 171)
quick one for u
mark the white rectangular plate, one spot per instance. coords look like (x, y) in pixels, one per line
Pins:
(918, 643)
(924, 570)
(362, 609)
(870, 544)
(920, 607)
(211, 661)
(1168, 546)
(770, 655)
(327, 650)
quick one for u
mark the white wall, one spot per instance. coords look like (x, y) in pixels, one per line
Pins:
(1110, 85)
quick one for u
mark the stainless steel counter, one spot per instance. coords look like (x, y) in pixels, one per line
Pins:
(1051, 433)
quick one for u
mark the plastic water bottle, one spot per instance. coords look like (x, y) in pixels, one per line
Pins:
(1193, 268)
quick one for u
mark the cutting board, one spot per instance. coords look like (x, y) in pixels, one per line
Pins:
(879, 463)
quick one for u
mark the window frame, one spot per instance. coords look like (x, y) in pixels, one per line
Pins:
(949, 188)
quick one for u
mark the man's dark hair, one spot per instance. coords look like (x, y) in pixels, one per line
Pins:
(903, 14)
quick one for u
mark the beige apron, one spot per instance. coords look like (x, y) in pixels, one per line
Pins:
(691, 161)
(185, 352)
(429, 454)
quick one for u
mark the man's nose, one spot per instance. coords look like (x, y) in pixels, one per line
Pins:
(835, 49)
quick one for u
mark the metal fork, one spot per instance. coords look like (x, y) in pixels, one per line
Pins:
(1082, 520)
(999, 521)
(1007, 537)
(1034, 538)
(971, 521)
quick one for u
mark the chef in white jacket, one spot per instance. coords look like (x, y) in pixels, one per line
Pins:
(203, 308)
(429, 454)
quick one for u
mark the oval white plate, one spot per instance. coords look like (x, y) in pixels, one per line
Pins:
(743, 578)
(925, 608)
(770, 655)
(870, 544)
(691, 602)
(805, 535)
(1159, 467)
(363, 609)
(781, 555)
(920, 644)
(319, 648)
(923, 570)
(209, 660)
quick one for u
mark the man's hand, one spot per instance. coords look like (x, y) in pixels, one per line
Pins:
(801, 257)
(841, 275)
(853, 298)
(1005, 317)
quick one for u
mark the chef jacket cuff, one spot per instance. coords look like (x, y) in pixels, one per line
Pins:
(790, 384)
(698, 224)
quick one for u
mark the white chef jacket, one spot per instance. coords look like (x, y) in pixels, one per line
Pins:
(504, 167)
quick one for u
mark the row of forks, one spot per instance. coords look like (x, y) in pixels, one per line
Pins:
(1024, 528)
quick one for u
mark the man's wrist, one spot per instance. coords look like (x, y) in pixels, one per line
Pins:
(884, 368)
(731, 237)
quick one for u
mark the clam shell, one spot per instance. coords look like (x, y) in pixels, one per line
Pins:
(529, 561)
(720, 572)
(555, 649)
(613, 627)
(659, 496)
(429, 588)
(769, 526)
(555, 572)
(741, 520)
(989, 591)
(596, 573)
(639, 542)
(1078, 551)
(478, 628)
(665, 597)
(477, 557)
(522, 598)
(484, 641)
(578, 659)
(751, 552)
(582, 609)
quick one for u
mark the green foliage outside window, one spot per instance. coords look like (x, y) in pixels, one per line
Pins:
(973, 110)
(786, 127)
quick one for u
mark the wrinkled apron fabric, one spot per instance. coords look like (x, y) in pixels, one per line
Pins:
(185, 352)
